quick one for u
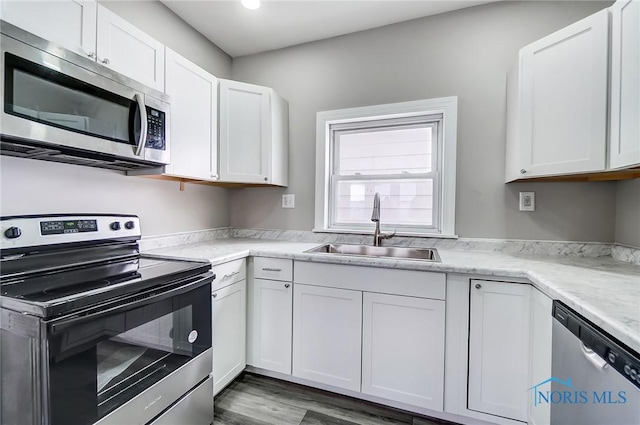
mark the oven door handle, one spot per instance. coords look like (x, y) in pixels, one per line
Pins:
(121, 305)
(143, 123)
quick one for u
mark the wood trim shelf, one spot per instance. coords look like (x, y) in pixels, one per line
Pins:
(183, 180)
(628, 174)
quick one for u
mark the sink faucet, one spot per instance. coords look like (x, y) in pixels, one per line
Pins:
(375, 217)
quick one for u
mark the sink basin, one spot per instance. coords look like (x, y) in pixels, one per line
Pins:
(422, 254)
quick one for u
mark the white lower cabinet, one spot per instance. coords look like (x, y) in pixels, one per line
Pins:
(229, 333)
(541, 324)
(499, 336)
(327, 327)
(270, 325)
(403, 349)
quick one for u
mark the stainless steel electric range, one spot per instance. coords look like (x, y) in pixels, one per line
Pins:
(93, 332)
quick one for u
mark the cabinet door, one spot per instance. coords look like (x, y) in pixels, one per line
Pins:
(563, 119)
(625, 84)
(70, 23)
(229, 333)
(541, 325)
(327, 329)
(129, 51)
(270, 325)
(403, 349)
(499, 348)
(194, 118)
(245, 132)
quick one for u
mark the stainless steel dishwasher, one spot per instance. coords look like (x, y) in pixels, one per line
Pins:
(596, 379)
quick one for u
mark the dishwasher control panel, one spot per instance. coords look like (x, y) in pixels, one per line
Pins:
(616, 354)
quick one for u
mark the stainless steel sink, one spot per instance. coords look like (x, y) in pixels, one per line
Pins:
(422, 254)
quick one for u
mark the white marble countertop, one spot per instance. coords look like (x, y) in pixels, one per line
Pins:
(604, 290)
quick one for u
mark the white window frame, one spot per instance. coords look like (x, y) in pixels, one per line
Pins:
(446, 147)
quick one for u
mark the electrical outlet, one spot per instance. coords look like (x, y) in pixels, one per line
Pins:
(288, 200)
(527, 201)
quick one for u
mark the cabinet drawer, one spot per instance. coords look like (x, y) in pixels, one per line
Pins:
(273, 268)
(373, 279)
(228, 273)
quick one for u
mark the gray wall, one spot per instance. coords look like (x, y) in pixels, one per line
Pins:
(464, 53)
(628, 213)
(30, 187)
(161, 23)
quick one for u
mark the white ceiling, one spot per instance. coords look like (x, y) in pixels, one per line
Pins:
(277, 23)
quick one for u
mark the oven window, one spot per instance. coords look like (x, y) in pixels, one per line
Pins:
(99, 366)
(43, 95)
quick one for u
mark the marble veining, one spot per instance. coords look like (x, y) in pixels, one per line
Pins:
(626, 253)
(601, 288)
(579, 249)
(184, 238)
(574, 249)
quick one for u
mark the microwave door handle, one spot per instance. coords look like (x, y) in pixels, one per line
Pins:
(143, 123)
(60, 326)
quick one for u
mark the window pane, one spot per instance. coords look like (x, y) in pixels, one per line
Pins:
(402, 202)
(384, 151)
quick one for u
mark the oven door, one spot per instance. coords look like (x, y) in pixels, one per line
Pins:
(131, 359)
(50, 100)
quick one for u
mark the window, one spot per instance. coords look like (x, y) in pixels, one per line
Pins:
(401, 151)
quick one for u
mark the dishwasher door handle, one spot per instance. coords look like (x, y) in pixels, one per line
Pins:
(593, 357)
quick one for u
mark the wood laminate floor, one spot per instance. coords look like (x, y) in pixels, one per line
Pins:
(257, 400)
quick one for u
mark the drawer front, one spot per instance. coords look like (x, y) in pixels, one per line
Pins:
(373, 279)
(196, 408)
(273, 268)
(228, 273)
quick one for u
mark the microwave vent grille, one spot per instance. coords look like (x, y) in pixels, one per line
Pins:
(28, 150)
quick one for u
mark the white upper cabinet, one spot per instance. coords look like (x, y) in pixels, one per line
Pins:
(194, 119)
(91, 30)
(128, 50)
(499, 348)
(254, 123)
(70, 23)
(557, 112)
(625, 84)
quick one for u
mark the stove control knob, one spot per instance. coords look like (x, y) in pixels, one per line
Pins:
(130, 225)
(115, 225)
(12, 233)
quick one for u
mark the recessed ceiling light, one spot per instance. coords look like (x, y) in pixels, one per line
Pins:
(251, 4)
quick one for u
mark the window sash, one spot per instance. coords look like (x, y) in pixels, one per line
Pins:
(436, 213)
(338, 129)
(434, 121)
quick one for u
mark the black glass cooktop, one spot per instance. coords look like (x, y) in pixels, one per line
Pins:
(56, 290)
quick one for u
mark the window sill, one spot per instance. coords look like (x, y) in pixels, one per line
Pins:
(409, 234)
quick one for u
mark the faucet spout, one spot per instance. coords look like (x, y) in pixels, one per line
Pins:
(375, 217)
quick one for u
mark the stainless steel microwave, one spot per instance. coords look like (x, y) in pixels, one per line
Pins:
(59, 106)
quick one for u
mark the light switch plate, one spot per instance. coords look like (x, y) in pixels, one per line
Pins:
(288, 200)
(527, 201)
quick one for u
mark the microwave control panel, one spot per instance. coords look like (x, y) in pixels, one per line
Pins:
(155, 129)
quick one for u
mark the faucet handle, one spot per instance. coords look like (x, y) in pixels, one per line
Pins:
(388, 235)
